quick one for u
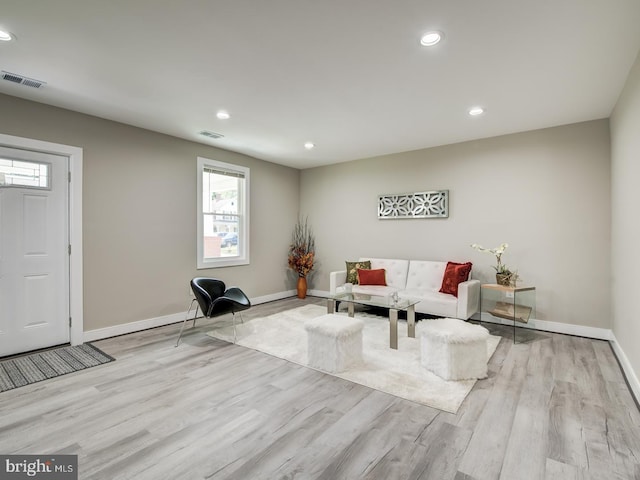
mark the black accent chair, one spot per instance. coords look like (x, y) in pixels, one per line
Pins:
(214, 299)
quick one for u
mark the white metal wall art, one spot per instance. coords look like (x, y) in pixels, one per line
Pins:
(434, 204)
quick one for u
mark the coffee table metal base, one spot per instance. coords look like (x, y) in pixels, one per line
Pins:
(393, 320)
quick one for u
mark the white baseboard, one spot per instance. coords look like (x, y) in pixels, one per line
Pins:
(632, 379)
(272, 297)
(555, 327)
(122, 329)
(534, 324)
(114, 331)
(318, 293)
(582, 331)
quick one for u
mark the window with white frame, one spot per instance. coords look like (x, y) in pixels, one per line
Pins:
(223, 214)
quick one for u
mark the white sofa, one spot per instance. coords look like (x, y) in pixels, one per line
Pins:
(420, 280)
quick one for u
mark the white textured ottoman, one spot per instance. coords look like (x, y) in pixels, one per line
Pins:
(334, 342)
(454, 349)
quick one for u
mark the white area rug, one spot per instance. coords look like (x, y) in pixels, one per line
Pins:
(397, 372)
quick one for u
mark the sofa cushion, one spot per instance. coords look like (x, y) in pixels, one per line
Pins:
(352, 270)
(396, 270)
(454, 274)
(434, 303)
(372, 277)
(425, 275)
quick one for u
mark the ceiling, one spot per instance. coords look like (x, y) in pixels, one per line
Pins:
(347, 75)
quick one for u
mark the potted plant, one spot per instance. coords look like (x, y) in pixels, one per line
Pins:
(504, 276)
(302, 254)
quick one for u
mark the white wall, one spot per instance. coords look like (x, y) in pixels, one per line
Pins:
(625, 228)
(139, 214)
(545, 192)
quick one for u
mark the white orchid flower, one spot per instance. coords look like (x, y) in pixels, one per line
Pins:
(499, 250)
(480, 248)
(495, 251)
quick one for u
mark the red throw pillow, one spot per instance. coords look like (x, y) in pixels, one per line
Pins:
(372, 277)
(454, 274)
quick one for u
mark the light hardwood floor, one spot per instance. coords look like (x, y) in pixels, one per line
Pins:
(555, 407)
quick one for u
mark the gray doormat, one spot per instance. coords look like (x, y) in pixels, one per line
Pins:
(21, 371)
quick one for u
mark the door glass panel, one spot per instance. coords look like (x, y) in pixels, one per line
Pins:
(19, 173)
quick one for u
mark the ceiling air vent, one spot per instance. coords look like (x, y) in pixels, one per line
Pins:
(22, 80)
(209, 134)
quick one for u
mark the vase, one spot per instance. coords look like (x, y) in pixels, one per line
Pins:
(503, 279)
(302, 287)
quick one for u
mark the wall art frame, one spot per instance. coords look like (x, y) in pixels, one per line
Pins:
(431, 204)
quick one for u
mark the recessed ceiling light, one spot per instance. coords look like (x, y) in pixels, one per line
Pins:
(429, 39)
(475, 111)
(309, 145)
(223, 115)
(5, 36)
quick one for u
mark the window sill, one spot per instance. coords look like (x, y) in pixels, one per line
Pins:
(230, 262)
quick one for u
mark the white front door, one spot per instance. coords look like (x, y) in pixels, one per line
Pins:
(34, 255)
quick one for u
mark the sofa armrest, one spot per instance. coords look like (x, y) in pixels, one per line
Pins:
(336, 279)
(468, 298)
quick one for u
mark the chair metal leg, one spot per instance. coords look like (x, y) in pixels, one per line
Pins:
(235, 336)
(185, 320)
(195, 316)
(234, 327)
